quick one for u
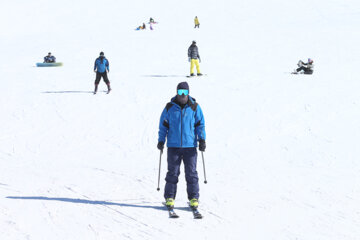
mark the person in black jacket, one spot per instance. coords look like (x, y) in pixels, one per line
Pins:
(49, 58)
(194, 59)
(306, 68)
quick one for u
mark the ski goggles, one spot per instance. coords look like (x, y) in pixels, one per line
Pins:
(183, 91)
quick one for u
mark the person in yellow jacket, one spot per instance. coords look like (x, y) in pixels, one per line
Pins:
(197, 23)
(194, 59)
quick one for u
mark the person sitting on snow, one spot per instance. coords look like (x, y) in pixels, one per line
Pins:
(306, 68)
(142, 27)
(49, 58)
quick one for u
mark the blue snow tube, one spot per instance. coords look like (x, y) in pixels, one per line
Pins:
(58, 64)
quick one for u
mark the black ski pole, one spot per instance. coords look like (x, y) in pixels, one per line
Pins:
(158, 188)
(202, 154)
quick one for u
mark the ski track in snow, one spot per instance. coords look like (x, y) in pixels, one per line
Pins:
(282, 149)
(116, 210)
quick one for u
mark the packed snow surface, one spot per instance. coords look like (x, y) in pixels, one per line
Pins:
(282, 158)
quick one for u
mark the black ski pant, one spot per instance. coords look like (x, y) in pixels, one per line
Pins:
(305, 69)
(100, 75)
(174, 158)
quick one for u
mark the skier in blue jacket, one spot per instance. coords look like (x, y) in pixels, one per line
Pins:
(101, 67)
(182, 124)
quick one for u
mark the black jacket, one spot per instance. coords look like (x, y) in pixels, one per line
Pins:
(193, 52)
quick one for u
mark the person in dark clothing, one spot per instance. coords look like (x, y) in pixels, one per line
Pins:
(151, 20)
(306, 68)
(49, 58)
(182, 124)
(194, 58)
(101, 67)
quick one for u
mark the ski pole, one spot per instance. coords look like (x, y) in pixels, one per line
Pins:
(202, 154)
(158, 188)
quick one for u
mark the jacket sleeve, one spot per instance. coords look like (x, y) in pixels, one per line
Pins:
(107, 65)
(189, 52)
(95, 65)
(200, 124)
(163, 126)
(44, 59)
(198, 55)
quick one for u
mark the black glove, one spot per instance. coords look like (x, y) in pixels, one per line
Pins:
(202, 145)
(160, 146)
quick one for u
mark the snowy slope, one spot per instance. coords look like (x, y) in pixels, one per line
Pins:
(282, 150)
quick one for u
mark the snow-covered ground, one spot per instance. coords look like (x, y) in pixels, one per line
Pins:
(282, 155)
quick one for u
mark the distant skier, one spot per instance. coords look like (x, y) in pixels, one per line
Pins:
(49, 58)
(182, 123)
(151, 26)
(197, 23)
(306, 68)
(152, 20)
(101, 67)
(194, 59)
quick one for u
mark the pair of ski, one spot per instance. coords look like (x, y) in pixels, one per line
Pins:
(172, 213)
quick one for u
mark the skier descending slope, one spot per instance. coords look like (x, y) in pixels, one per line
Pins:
(182, 123)
(101, 67)
(194, 59)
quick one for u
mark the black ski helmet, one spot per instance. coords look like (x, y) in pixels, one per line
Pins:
(101, 53)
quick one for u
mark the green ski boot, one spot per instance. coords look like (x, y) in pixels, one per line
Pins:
(194, 203)
(170, 202)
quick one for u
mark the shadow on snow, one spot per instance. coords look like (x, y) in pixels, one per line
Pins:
(86, 201)
(69, 92)
(163, 76)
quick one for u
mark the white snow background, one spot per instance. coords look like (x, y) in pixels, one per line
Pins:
(282, 157)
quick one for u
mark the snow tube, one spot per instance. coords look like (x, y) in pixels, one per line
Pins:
(58, 64)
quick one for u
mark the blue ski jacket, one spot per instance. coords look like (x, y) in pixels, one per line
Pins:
(101, 65)
(182, 127)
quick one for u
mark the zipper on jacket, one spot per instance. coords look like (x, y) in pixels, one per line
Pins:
(181, 127)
